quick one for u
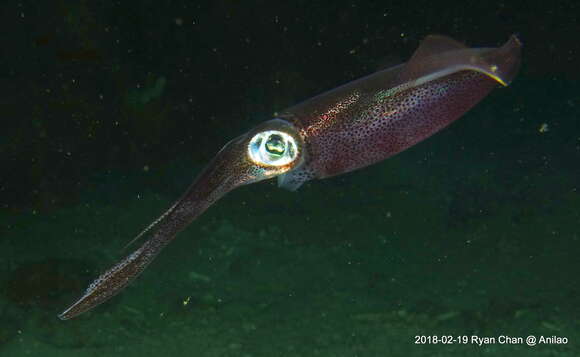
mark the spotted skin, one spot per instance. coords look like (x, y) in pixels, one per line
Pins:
(375, 117)
(381, 124)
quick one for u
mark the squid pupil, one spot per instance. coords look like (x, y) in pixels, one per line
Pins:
(275, 145)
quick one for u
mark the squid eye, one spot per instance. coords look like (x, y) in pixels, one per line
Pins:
(272, 147)
(275, 145)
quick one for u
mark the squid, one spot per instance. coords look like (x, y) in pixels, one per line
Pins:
(355, 125)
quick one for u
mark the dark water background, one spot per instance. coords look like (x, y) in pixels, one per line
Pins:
(110, 108)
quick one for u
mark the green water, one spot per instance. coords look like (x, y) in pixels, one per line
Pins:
(470, 237)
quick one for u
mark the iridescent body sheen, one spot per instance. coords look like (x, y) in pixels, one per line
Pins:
(350, 127)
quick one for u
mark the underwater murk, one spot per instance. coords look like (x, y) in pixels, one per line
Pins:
(395, 233)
